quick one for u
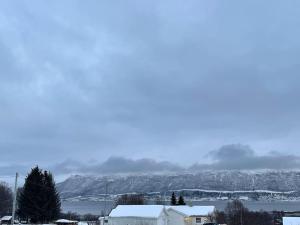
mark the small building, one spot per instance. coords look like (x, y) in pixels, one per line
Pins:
(190, 215)
(103, 220)
(138, 215)
(6, 220)
(291, 220)
(66, 222)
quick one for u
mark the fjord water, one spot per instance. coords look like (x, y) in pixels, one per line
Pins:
(96, 207)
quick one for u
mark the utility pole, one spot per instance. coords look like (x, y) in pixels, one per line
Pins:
(14, 200)
(106, 187)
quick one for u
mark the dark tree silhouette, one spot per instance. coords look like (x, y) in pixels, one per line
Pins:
(131, 200)
(51, 198)
(70, 216)
(5, 199)
(39, 200)
(237, 214)
(220, 217)
(181, 200)
(173, 199)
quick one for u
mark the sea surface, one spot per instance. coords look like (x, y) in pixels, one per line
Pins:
(97, 207)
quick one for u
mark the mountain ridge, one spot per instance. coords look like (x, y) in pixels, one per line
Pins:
(195, 185)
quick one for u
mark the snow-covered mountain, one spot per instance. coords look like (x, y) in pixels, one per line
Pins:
(217, 184)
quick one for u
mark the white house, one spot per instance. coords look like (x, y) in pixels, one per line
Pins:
(138, 215)
(291, 220)
(190, 215)
(6, 220)
(159, 215)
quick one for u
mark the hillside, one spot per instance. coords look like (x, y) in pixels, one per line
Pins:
(206, 184)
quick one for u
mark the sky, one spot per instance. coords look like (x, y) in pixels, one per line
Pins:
(88, 85)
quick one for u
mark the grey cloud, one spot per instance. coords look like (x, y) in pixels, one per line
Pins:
(242, 157)
(228, 157)
(115, 165)
(11, 170)
(232, 152)
(164, 80)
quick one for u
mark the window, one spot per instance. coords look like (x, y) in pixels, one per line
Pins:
(198, 220)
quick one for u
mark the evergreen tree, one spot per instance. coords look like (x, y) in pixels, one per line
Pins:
(39, 200)
(173, 199)
(29, 201)
(52, 202)
(181, 200)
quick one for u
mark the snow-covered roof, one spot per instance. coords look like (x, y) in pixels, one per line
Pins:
(193, 210)
(291, 220)
(147, 211)
(82, 223)
(65, 221)
(5, 218)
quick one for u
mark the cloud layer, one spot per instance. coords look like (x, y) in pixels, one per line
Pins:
(168, 80)
(242, 157)
(228, 157)
(116, 165)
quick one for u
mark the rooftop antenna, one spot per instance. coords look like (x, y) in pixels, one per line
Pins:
(14, 200)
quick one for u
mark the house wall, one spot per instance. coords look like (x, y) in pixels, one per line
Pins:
(204, 219)
(175, 218)
(5, 222)
(162, 219)
(132, 221)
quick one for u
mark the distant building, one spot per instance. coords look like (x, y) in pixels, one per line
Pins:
(190, 215)
(138, 215)
(159, 215)
(6, 220)
(66, 222)
(103, 220)
(291, 220)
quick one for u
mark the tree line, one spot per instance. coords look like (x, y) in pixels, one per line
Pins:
(139, 199)
(236, 213)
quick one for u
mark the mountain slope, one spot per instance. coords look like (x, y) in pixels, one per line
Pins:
(272, 181)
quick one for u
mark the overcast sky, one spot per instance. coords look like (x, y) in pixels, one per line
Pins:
(173, 81)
